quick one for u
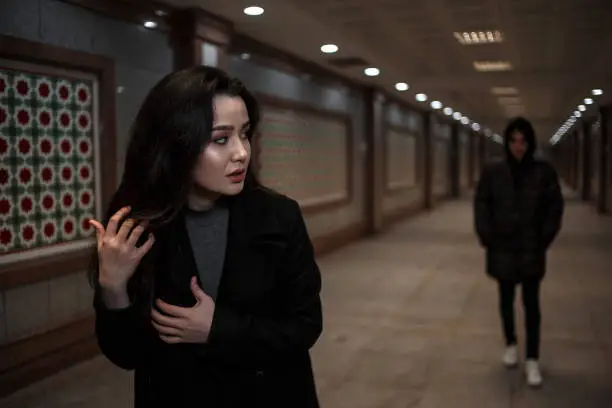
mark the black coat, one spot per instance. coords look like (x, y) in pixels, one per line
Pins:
(267, 317)
(517, 222)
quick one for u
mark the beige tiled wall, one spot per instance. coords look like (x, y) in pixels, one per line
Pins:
(41, 306)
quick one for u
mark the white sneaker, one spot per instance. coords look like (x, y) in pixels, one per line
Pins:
(532, 371)
(510, 357)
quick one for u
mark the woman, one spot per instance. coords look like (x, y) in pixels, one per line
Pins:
(205, 282)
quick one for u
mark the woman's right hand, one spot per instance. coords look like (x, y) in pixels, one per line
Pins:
(117, 252)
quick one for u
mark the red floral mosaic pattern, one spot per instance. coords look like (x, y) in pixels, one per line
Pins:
(46, 160)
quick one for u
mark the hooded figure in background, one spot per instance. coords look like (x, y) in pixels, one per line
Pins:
(518, 209)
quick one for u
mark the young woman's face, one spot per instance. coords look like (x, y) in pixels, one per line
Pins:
(222, 165)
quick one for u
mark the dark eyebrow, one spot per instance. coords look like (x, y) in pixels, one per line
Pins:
(230, 127)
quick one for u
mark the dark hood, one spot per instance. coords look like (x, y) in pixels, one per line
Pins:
(523, 126)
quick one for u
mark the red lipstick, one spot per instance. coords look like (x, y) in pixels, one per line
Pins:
(237, 176)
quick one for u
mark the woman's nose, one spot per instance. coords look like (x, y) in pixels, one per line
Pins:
(239, 150)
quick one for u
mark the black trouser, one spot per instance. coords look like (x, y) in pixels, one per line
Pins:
(531, 303)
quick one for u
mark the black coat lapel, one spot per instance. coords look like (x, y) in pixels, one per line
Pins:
(176, 265)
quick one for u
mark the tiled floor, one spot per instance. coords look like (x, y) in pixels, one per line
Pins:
(411, 321)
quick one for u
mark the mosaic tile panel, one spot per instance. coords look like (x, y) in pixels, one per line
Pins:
(47, 186)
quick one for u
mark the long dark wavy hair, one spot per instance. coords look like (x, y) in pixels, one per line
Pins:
(170, 130)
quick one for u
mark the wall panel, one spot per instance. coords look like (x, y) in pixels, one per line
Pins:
(338, 101)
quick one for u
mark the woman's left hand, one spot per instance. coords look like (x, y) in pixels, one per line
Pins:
(185, 324)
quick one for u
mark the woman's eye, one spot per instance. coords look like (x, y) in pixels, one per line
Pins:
(220, 140)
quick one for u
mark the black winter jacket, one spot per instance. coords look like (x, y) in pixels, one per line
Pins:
(517, 221)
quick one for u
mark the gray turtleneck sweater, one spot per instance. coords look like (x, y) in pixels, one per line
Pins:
(208, 236)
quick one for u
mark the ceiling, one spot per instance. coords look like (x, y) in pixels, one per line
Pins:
(559, 50)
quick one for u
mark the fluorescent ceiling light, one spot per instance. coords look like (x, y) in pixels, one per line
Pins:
(479, 37)
(504, 90)
(597, 92)
(509, 100)
(513, 110)
(436, 104)
(448, 111)
(421, 97)
(150, 24)
(402, 86)
(329, 48)
(588, 101)
(254, 11)
(490, 66)
(371, 71)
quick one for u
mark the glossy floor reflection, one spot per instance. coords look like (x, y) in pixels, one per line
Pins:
(411, 321)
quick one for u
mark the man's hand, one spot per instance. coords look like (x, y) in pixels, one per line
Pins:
(182, 324)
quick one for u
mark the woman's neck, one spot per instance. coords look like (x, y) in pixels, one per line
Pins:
(201, 201)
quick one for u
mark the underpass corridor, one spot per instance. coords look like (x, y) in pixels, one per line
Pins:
(411, 320)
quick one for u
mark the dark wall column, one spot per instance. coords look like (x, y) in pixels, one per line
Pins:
(455, 161)
(375, 177)
(585, 130)
(471, 159)
(199, 38)
(569, 147)
(427, 159)
(575, 160)
(603, 159)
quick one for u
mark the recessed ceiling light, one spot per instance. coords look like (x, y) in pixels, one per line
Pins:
(581, 108)
(371, 71)
(479, 37)
(245, 56)
(588, 101)
(421, 97)
(476, 127)
(465, 120)
(448, 111)
(329, 48)
(457, 116)
(161, 13)
(150, 24)
(577, 114)
(254, 11)
(490, 66)
(402, 86)
(597, 92)
(436, 104)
